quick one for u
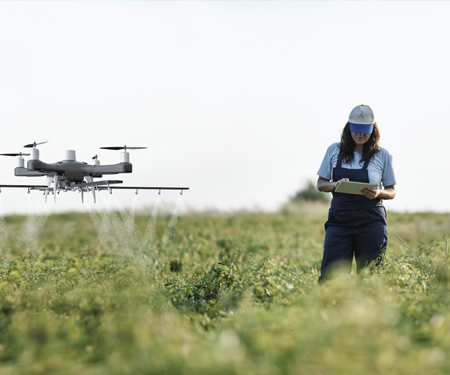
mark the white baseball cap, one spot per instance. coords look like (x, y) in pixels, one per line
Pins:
(361, 119)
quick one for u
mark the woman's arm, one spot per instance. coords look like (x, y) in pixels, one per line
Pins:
(388, 192)
(327, 186)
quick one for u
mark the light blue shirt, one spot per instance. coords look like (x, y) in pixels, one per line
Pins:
(381, 170)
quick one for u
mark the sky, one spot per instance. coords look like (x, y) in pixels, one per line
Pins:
(237, 100)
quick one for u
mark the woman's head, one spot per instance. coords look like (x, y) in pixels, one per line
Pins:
(361, 119)
(368, 140)
(349, 140)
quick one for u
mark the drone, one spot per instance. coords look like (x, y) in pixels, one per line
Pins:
(71, 175)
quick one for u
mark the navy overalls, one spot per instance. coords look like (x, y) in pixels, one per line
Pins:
(356, 225)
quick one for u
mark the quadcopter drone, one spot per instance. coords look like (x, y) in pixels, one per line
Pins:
(71, 175)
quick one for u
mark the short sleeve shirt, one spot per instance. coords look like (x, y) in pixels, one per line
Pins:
(380, 168)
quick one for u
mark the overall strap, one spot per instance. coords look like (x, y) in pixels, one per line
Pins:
(366, 164)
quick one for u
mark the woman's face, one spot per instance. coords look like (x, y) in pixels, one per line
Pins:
(360, 138)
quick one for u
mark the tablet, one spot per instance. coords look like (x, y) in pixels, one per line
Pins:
(350, 187)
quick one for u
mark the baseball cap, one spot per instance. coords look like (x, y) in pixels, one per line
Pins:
(361, 119)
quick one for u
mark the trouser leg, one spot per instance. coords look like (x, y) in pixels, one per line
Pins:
(338, 251)
(371, 238)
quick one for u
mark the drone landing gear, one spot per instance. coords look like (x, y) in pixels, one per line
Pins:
(55, 185)
(93, 194)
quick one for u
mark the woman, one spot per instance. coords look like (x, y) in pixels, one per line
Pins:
(356, 223)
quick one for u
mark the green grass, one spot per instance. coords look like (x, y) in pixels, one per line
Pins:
(231, 294)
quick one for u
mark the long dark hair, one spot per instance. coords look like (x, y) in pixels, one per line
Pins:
(370, 148)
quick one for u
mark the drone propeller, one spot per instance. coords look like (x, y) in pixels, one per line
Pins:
(125, 148)
(19, 154)
(34, 144)
(124, 156)
(95, 157)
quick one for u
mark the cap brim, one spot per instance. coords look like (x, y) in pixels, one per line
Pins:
(361, 128)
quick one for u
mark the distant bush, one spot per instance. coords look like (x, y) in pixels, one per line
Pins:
(310, 194)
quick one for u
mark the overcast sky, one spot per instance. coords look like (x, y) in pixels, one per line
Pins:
(237, 100)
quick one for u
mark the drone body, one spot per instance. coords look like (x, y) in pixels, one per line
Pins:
(72, 175)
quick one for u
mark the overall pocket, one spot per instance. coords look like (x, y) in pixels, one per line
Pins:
(380, 212)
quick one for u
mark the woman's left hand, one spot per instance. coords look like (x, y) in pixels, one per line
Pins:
(371, 193)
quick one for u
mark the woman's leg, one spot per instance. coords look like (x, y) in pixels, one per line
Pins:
(338, 251)
(371, 237)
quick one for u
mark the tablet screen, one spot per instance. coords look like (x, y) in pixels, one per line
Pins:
(350, 187)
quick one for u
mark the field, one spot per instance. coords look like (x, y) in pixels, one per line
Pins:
(221, 294)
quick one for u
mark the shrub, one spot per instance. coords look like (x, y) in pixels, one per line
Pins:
(310, 194)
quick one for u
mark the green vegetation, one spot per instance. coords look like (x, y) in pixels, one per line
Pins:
(310, 194)
(223, 295)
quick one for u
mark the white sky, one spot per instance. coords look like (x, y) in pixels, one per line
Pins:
(237, 100)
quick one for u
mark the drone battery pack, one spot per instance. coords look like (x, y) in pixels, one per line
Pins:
(75, 175)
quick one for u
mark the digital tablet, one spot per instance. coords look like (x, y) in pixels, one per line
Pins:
(350, 187)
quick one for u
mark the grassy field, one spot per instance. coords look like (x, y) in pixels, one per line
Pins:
(105, 294)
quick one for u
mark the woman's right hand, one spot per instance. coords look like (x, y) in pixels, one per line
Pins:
(339, 181)
(328, 186)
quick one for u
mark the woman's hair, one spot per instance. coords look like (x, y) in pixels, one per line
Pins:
(370, 148)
